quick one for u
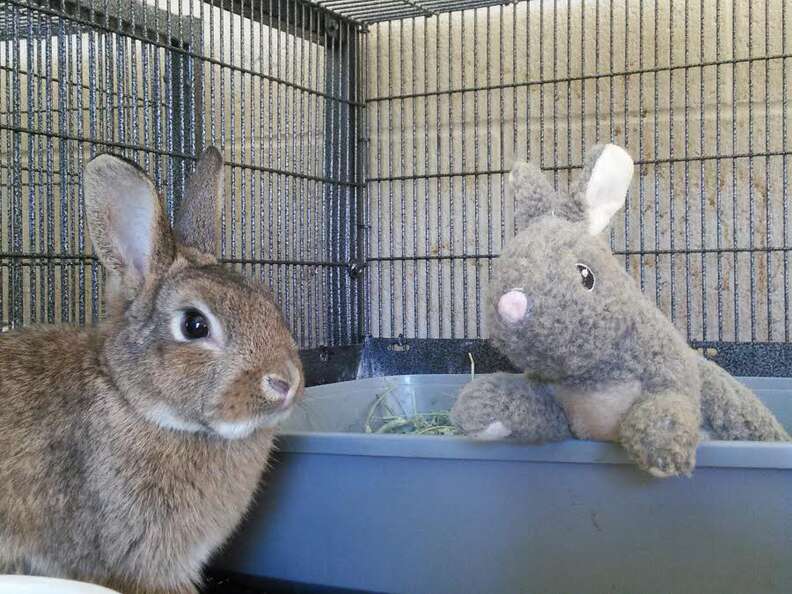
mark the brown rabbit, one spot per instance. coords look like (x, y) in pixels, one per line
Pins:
(129, 451)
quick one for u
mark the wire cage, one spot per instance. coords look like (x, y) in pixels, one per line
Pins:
(367, 145)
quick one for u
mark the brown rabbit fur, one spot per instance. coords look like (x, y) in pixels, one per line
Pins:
(130, 451)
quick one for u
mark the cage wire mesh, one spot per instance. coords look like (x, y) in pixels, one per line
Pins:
(367, 146)
(157, 81)
(696, 91)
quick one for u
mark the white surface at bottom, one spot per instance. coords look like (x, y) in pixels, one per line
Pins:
(22, 584)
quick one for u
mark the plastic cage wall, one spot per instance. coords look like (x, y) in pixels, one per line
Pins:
(368, 145)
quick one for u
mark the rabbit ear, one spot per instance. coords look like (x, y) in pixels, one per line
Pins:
(129, 230)
(198, 216)
(604, 183)
(535, 196)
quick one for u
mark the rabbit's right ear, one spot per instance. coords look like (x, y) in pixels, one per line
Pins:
(198, 216)
(128, 227)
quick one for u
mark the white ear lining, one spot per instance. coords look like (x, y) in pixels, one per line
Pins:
(607, 186)
(134, 235)
(123, 210)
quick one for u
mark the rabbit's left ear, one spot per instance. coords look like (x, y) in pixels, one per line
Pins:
(604, 189)
(197, 220)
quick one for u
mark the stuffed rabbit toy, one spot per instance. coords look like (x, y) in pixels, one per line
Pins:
(601, 361)
(129, 451)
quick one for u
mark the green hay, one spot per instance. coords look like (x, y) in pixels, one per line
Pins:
(382, 418)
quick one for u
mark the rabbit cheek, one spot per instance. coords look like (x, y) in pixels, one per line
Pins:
(192, 371)
(237, 402)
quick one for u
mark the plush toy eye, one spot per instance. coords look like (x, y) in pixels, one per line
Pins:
(194, 325)
(586, 276)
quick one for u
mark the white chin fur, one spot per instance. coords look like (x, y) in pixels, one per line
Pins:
(243, 429)
(167, 418)
(495, 430)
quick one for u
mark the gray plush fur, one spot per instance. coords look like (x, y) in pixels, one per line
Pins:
(129, 453)
(526, 410)
(615, 363)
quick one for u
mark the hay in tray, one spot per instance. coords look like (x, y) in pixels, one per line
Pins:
(390, 416)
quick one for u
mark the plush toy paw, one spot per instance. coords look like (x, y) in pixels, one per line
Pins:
(661, 434)
(666, 455)
(508, 405)
(669, 462)
(493, 431)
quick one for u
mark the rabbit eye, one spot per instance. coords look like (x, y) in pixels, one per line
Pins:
(194, 325)
(586, 276)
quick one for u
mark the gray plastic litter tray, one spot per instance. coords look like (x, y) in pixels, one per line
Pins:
(418, 514)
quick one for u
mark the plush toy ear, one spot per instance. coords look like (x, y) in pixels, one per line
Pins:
(535, 196)
(605, 181)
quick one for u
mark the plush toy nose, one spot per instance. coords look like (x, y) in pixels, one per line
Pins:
(513, 306)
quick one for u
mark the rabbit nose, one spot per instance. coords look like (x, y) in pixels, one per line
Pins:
(513, 306)
(280, 386)
(279, 389)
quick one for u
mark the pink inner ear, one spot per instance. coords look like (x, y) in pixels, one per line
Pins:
(513, 306)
